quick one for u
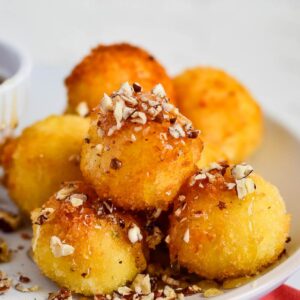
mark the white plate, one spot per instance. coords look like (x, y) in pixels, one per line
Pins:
(277, 160)
(257, 41)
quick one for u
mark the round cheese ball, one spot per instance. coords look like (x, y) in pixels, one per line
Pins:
(85, 244)
(227, 225)
(225, 112)
(140, 149)
(106, 67)
(42, 157)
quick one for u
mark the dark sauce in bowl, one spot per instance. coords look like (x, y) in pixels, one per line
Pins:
(2, 79)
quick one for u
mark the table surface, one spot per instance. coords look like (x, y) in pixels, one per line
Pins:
(257, 41)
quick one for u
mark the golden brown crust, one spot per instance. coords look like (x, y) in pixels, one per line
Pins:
(77, 221)
(106, 67)
(227, 114)
(46, 154)
(98, 233)
(227, 236)
(140, 166)
(6, 152)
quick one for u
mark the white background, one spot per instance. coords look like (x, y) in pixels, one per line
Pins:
(257, 41)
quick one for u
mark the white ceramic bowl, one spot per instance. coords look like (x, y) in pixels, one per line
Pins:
(15, 67)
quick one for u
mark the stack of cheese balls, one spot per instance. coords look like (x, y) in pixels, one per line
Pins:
(134, 159)
(140, 154)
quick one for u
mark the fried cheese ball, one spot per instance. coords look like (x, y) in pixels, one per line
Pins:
(140, 149)
(41, 158)
(107, 67)
(85, 244)
(227, 225)
(225, 112)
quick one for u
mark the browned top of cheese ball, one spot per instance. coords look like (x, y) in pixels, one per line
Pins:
(85, 244)
(140, 149)
(77, 205)
(218, 177)
(130, 106)
(227, 222)
(106, 67)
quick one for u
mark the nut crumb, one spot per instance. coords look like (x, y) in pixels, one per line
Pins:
(133, 138)
(221, 205)
(169, 292)
(186, 237)
(230, 185)
(141, 284)
(21, 288)
(106, 103)
(167, 239)
(60, 249)
(168, 193)
(99, 148)
(82, 109)
(134, 234)
(26, 236)
(77, 199)
(125, 89)
(241, 171)
(139, 117)
(66, 191)
(9, 222)
(43, 215)
(5, 283)
(136, 87)
(137, 128)
(24, 279)
(170, 281)
(62, 294)
(115, 164)
(181, 198)
(159, 91)
(124, 290)
(244, 187)
(176, 131)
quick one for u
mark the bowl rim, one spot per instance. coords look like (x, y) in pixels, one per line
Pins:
(266, 282)
(278, 273)
(24, 69)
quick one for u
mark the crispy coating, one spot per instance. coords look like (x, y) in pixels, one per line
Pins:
(106, 67)
(102, 259)
(46, 154)
(7, 149)
(140, 166)
(217, 104)
(217, 235)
